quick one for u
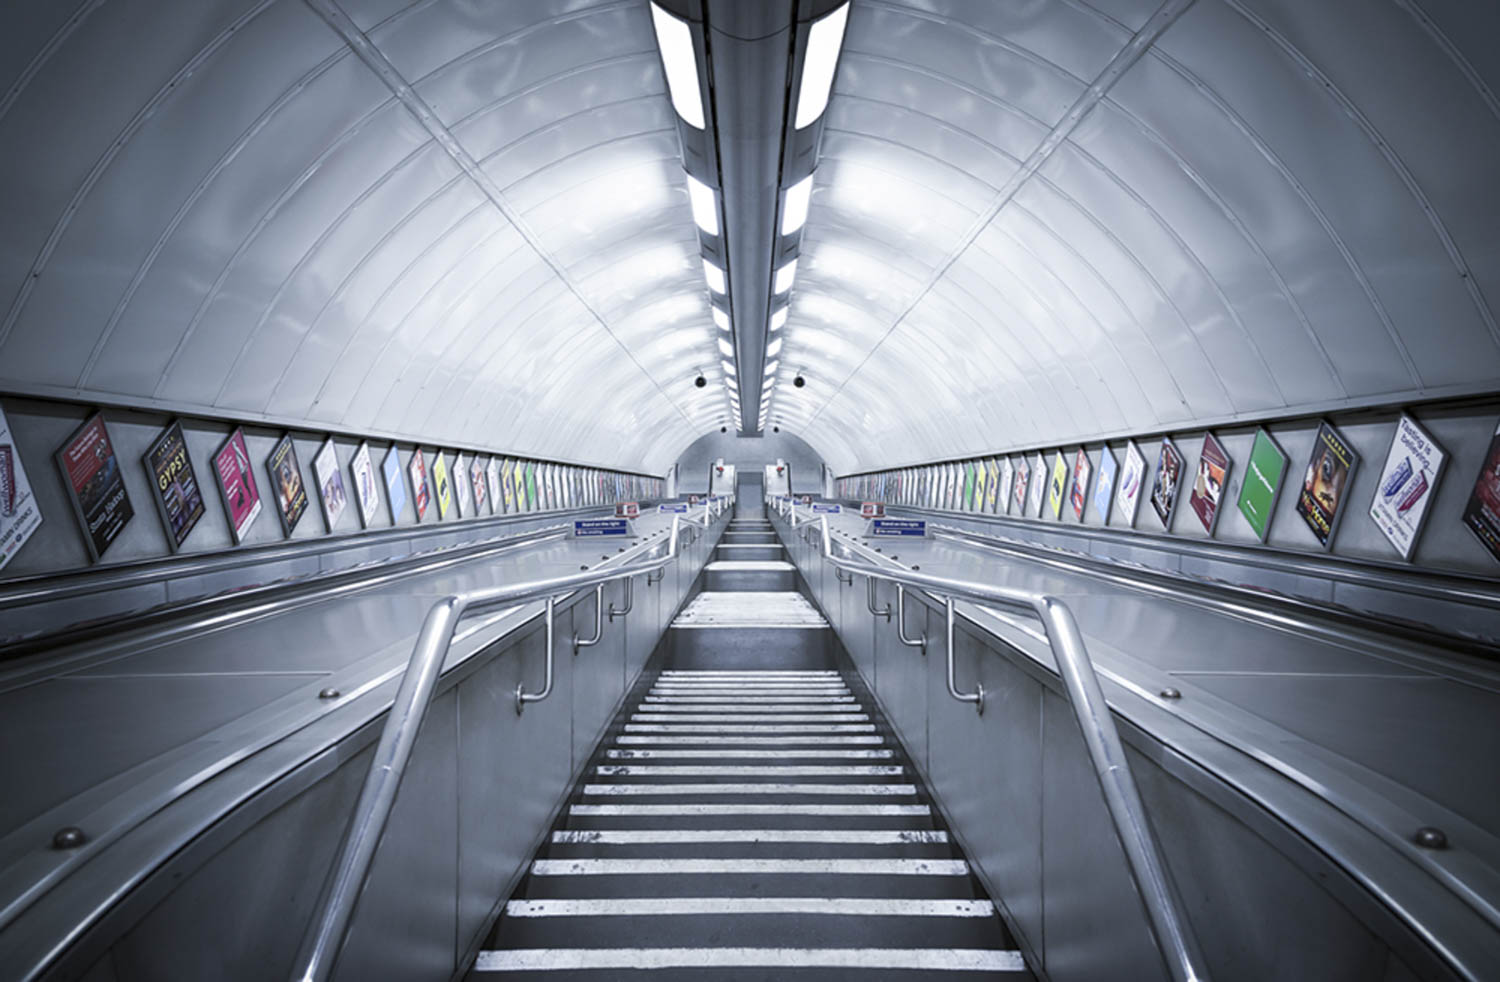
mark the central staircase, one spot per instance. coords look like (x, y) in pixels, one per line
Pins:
(749, 817)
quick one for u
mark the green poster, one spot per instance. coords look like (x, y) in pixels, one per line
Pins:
(968, 487)
(530, 486)
(1262, 484)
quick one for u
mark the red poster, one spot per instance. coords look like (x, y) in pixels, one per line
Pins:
(91, 473)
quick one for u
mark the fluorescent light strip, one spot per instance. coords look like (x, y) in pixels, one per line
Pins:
(726, 348)
(715, 277)
(676, 43)
(818, 65)
(784, 277)
(728, 367)
(705, 205)
(773, 349)
(721, 319)
(778, 319)
(794, 207)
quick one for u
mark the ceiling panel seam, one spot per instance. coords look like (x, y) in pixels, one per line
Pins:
(96, 173)
(365, 49)
(59, 37)
(1165, 16)
(1464, 66)
(1392, 158)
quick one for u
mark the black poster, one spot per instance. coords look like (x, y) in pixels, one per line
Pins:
(286, 483)
(178, 497)
(91, 473)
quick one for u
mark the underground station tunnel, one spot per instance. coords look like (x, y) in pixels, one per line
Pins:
(749, 489)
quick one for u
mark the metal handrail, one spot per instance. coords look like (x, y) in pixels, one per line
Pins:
(1174, 937)
(870, 602)
(629, 601)
(920, 642)
(579, 643)
(321, 945)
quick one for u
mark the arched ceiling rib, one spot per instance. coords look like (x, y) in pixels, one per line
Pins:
(1276, 207)
(445, 221)
(1031, 222)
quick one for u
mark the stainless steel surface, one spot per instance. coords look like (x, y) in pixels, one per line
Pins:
(883, 612)
(580, 643)
(1173, 935)
(918, 642)
(325, 936)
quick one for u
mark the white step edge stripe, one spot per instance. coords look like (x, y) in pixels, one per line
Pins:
(760, 697)
(719, 906)
(687, 809)
(733, 709)
(636, 837)
(750, 741)
(750, 728)
(780, 673)
(769, 787)
(759, 692)
(697, 866)
(620, 959)
(728, 717)
(749, 770)
(720, 753)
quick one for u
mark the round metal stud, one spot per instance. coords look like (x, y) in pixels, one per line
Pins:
(68, 837)
(915, 568)
(585, 566)
(1170, 693)
(329, 693)
(1431, 838)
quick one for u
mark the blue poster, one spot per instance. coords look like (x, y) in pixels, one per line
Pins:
(1104, 490)
(395, 483)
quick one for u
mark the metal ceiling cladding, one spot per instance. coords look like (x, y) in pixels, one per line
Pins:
(469, 223)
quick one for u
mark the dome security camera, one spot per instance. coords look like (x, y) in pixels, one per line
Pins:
(799, 381)
(723, 429)
(700, 381)
(776, 429)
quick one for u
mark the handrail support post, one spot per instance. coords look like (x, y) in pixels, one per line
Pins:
(522, 696)
(579, 643)
(977, 696)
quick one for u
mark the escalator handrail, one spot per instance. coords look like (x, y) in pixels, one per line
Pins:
(346, 879)
(1175, 940)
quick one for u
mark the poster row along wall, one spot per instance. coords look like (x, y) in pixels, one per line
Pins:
(436, 485)
(1149, 482)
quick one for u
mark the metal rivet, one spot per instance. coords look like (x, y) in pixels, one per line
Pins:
(915, 568)
(1170, 693)
(68, 837)
(584, 566)
(1431, 838)
(329, 693)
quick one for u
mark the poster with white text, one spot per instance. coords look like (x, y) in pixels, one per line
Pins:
(20, 516)
(1408, 481)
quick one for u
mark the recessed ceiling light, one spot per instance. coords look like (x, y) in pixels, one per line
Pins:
(818, 65)
(794, 208)
(705, 205)
(676, 43)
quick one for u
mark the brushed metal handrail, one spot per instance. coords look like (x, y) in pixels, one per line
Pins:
(325, 937)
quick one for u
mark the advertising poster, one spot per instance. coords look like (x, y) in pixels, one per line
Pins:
(237, 485)
(419, 494)
(1482, 513)
(530, 486)
(91, 473)
(179, 499)
(461, 486)
(1330, 469)
(481, 490)
(992, 489)
(331, 491)
(1208, 486)
(967, 501)
(1007, 482)
(492, 477)
(1038, 484)
(442, 486)
(1081, 471)
(286, 483)
(366, 488)
(1262, 486)
(1166, 481)
(1407, 484)
(1104, 488)
(1057, 487)
(395, 483)
(20, 516)
(1132, 479)
(981, 485)
(508, 486)
(1023, 479)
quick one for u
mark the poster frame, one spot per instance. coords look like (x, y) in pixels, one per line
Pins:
(1157, 472)
(286, 448)
(363, 453)
(395, 502)
(1057, 484)
(1280, 483)
(1342, 505)
(441, 480)
(1104, 482)
(463, 503)
(1211, 441)
(174, 541)
(421, 495)
(1083, 470)
(1472, 516)
(246, 473)
(20, 512)
(90, 541)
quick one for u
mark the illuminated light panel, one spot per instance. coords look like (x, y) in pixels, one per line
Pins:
(778, 319)
(771, 367)
(773, 349)
(705, 205)
(794, 209)
(822, 58)
(726, 348)
(721, 319)
(728, 367)
(676, 43)
(715, 277)
(785, 276)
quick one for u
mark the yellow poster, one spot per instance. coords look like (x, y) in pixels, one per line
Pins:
(508, 486)
(1056, 486)
(442, 487)
(981, 477)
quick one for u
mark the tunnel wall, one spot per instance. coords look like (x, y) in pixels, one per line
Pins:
(747, 454)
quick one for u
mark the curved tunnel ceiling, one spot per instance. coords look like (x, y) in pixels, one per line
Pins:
(1032, 222)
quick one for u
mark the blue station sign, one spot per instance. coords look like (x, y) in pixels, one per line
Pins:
(594, 527)
(674, 508)
(898, 526)
(826, 509)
